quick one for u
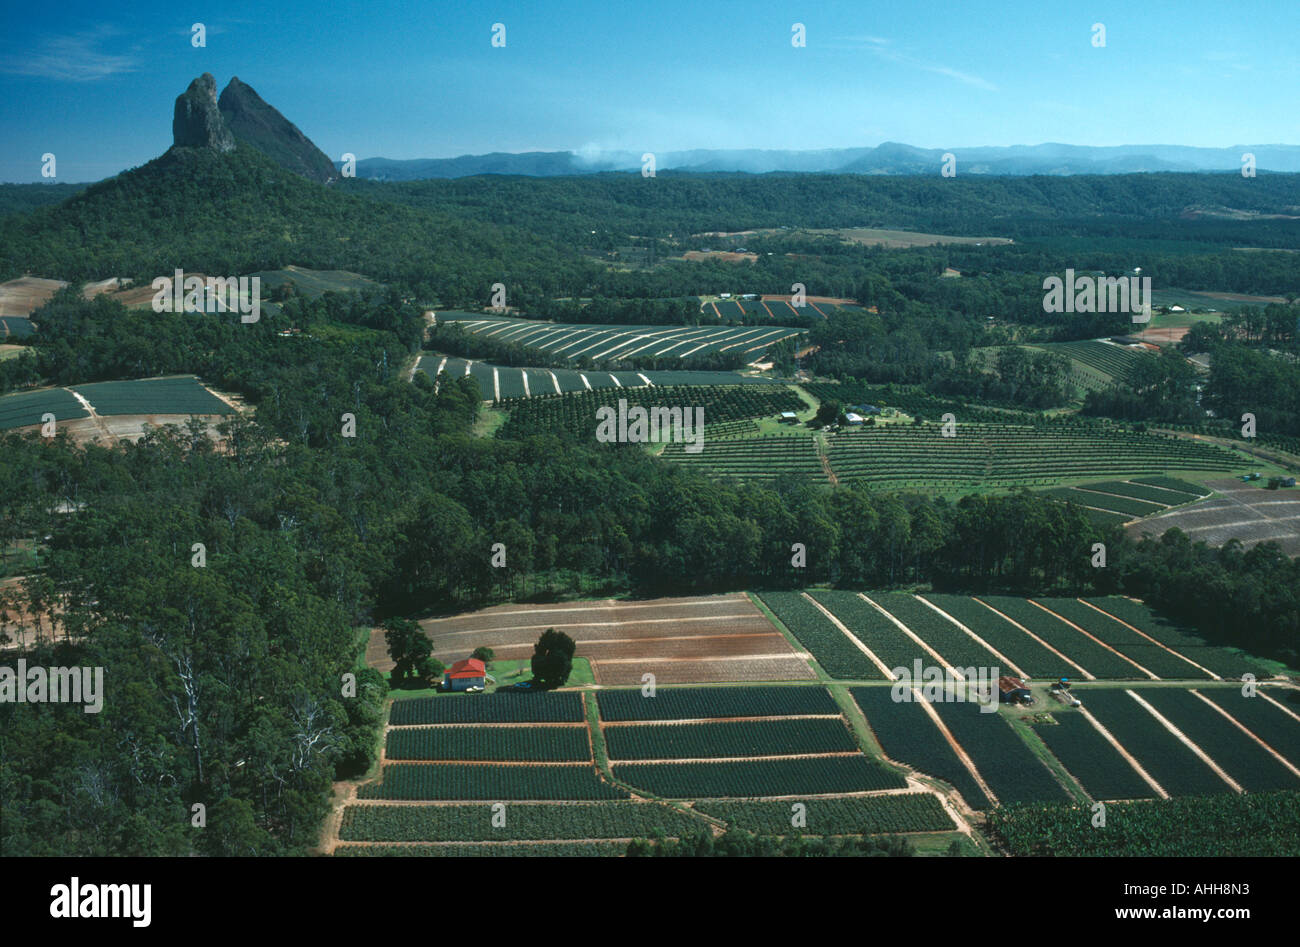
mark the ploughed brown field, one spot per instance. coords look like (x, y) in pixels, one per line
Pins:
(1241, 511)
(680, 640)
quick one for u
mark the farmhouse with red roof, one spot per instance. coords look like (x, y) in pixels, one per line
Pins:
(468, 673)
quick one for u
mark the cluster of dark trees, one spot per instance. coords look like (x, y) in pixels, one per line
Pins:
(738, 844)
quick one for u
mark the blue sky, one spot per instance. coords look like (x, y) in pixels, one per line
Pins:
(94, 83)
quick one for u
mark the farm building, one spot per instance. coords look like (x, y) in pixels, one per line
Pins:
(463, 674)
(853, 417)
(865, 409)
(1014, 691)
(789, 417)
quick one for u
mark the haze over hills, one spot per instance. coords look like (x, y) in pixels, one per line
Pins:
(888, 158)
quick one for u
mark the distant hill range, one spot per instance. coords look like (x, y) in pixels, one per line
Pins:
(889, 158)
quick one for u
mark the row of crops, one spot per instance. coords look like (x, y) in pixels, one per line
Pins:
(575, 341)
(1105, 357)
(738, 738)
(1121, 500)
(1265, 824)
(905, 812)
(755, 458)
(182, 395)
(817, 775)
(30, 407)
(497, 782)
(575, 414)
(507, 707)
(911, 400)
(694, 703)
(541, 821)
(489, 743)
(516, 850)
(837, 656)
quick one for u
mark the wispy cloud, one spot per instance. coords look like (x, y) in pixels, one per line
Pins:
(882, 48)
(74, 58)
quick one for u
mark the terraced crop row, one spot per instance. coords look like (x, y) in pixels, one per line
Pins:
(736, 738)
(1222, 661)
(1073, 644)
(524, 821)
(689, 703)
(834, 652)
(907, 812)
(1142, 491)
(500, 782)
(489, 708)
(489, 743)
(957, 647)
(1027, 654)
(885, 640)
(1128, 642)
(817, 775)
(1104, 501)
(755, 458)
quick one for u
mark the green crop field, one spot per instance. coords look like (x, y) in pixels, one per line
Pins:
(909, 812)
(755, 458)
(489, 708)
(816, 775)
(516, 850)
(907, 735)
(1248, 763)
(494, 782)
(885, 639)
(1153, 657)
(1078, 647)
(1171, 764)
(1027, 654)
(737, 738)
(1110, 360)
(488, 743)
(575, 414)
(837, 655)
(959, 649)
(28, 407)
(1263, 718)
(1267, 824)
(524, 821)
(1007, 764)
(1222, 661)
(690, 703)
(180, 395)
(1091, 759)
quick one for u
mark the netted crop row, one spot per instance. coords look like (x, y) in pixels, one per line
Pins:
(494, 782)
(517, 850)
(1175, 767)
(734, 738)
(908, 812)
(574, 414)
(489, 708)
(838, 656)
(812, 776)
(908, 735)
(885, 639)
(689, 703)
(1175, 485)
(29, 407)
(1267, 824)
(1222, 661)
(1109, 359)
(1027, 654)
(1005, 761)
(1142, 491)
(1249, 764)
(1125, 640)
(1075, 645)
(183, 395)
(482, 822)
(1104, 501)
(1091, 759)
(488, 743)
